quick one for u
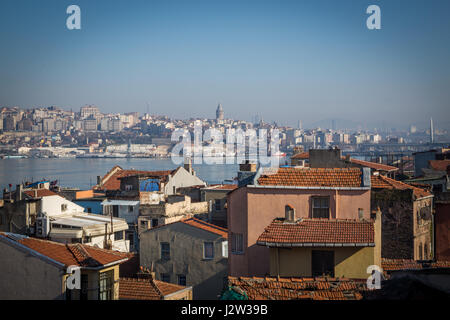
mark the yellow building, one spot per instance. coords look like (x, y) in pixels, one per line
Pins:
(39, 269)
(341, 248)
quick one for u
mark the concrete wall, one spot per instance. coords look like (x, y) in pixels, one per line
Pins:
(51, 205)
(16, 217)
(250, 210)
(94, 205)
(421, 161)
(24, 276)
(182, 178)
(186, 257)
(216, 216)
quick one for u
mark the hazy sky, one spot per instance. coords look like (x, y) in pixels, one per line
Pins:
(284, 60)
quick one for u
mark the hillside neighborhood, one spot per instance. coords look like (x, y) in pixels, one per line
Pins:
(313, 229)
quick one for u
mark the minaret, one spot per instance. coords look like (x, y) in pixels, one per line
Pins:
(219, 112)
(431, 131)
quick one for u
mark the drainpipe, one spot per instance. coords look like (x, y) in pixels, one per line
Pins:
(278, 263)
(337, 204)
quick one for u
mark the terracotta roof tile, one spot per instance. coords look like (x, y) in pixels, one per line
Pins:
(298, 288)
(439, 165)
(312, 177)
(71, 254)
(197, 223)
(145, 289)
(112, 181)
(374, 165)
(39, 193)
(318, 231)
(382, 182)
(407, 264)
(301, 156)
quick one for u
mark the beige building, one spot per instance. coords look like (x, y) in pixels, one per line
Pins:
(172, 209)
(38, 269)
(190, 252)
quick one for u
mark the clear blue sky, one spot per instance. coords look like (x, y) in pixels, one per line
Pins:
(285, 60)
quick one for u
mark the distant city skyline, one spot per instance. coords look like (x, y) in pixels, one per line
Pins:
(313, 61)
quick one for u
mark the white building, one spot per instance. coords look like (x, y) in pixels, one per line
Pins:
(129, 211)
(61, 220)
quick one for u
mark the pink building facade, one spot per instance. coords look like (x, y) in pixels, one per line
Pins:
(252, 208)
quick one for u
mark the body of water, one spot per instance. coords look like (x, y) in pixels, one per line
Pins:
(82, 173)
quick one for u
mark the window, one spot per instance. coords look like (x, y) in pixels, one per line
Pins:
(89, 210)
(144, 224)
(115, 211)
(425, 251)
(360, 213)
(322, 263)
(321, 207)
(217, 205)
(182, 279)
(165, 277)
(130, 237)
(128, 187)
(225, 249)
(118, 235)
(106, 285)
(237, 243)
(154, 223)
(130, 208)
(165, 251)
(87, 239)
(63, 207)
(208, 250)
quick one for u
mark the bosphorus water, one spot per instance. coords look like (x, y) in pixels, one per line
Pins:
(82, 173)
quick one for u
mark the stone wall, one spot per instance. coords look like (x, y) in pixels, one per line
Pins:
(397, 222)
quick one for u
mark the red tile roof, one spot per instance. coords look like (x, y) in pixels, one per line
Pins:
(407, 264)
(320, 231)
(382, 182)
(301, 156)
(227, 187)
(312, 177)
(439, 165)
(39, 193)
(369, 164)
(269, 288)
(71, 254)
(111, 181)
(145, 289)
(200, 224)
(374, 165)
(197, 223)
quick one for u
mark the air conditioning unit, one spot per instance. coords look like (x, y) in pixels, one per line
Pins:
(42, 226)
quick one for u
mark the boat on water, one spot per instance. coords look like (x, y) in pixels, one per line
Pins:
(13, 157)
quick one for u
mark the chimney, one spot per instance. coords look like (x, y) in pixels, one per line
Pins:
(99, 180)
(247, 166)
(246, 173)
(188, 165)
(365, 177)
(289, 213)
(19, 190)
